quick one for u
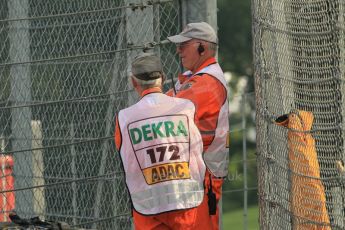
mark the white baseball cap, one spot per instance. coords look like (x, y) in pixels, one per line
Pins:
(197, 30)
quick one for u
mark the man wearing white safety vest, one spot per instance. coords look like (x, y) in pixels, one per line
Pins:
(204, 84)
(161, 151)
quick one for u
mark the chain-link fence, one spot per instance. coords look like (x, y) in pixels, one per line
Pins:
(299, 71)
(63, 76)
(240, 185)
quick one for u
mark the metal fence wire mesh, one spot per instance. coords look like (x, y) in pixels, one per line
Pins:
(63, 76)
(299, 70)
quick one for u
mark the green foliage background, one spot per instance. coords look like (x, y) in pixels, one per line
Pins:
(234, 31)
(235, 56)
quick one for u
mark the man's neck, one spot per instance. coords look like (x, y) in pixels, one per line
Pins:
(205, 62)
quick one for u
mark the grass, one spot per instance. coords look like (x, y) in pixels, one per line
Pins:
(234, 219)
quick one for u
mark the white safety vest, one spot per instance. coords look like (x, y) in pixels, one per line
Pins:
(161, 152)
(217, 155)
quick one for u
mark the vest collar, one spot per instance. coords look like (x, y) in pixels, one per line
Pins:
(151, 90)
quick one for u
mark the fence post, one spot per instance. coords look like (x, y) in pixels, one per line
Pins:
(39, 202)
(74, 173)
(244, 151)
(19, 37)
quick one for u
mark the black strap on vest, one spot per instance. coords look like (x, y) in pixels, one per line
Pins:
(212, 202)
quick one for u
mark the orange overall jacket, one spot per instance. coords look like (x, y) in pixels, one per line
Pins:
(307, 198)
(208, 95)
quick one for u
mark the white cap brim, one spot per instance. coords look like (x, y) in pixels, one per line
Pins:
(178, 39)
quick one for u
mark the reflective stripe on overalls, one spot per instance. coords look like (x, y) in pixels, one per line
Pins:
(217, 155)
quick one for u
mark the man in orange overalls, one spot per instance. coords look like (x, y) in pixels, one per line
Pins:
(205, 86)
(161, 151)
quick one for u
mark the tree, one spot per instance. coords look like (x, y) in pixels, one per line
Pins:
(235, 56)
(235, 49)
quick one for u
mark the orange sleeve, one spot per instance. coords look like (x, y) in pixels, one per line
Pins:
(118, 138)
(208, 95)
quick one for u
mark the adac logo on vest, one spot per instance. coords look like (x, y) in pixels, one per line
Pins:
(166, 172)
(148, 132)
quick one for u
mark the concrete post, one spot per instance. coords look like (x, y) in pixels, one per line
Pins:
(38, 167)
(21, 94)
